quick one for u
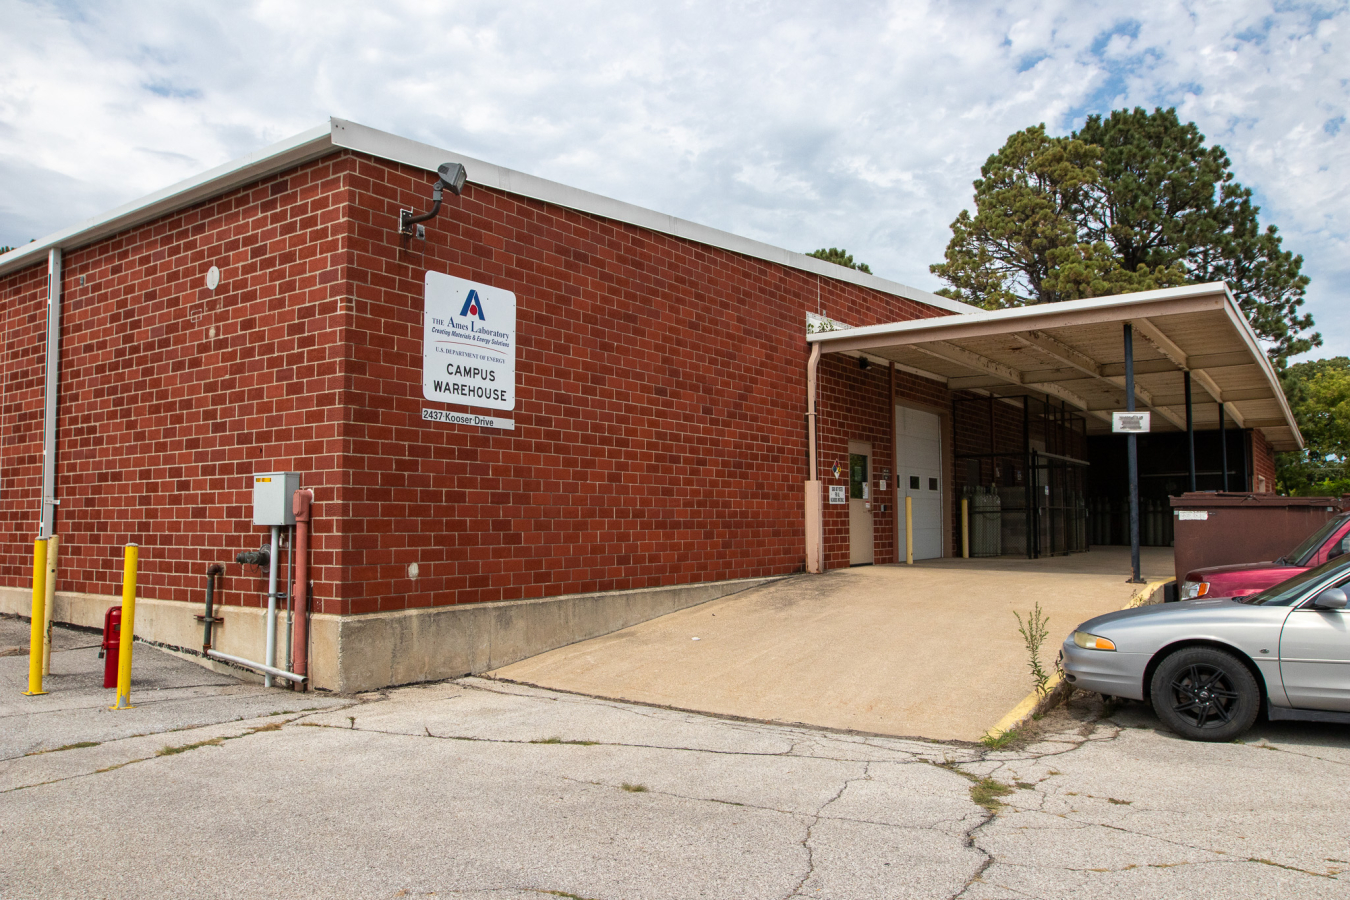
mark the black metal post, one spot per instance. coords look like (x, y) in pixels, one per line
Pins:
(1029, 479)
(1190, 427)
(1223, 447)
(1132, 451)
(1246, 445)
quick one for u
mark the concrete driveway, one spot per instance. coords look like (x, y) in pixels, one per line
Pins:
(927, 651)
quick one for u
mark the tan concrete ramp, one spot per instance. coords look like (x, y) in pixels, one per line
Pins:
(929, 651)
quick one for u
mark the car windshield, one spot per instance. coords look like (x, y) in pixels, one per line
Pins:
(1302, 554)
(1287, 593)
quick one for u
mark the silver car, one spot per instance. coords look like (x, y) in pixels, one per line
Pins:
(1209, 666)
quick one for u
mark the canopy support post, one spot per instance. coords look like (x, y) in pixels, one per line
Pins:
(1190, 427)
(1132, 451)
(1223, 447)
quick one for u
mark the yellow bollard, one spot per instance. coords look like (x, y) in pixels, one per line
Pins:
(53, 544)
(909, 531)
(965, 528)
(35, 633)
(128, 627)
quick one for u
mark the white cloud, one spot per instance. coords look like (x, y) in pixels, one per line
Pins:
(820, 124)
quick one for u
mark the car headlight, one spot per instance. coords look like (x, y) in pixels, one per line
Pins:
(1190, 590)
(1092, 641)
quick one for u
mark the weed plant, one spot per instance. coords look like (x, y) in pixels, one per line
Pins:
(1034, 630)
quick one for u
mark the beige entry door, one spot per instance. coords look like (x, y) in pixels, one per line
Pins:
(918, 469)
(861, 543)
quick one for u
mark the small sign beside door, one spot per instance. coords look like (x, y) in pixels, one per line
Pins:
(1130, 422)
(838, 494)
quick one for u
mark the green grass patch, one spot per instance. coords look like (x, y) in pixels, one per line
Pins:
(558, 740)
(1002, 740)
(986, 792)
(634, 788)
(78, 745)
(183, 748)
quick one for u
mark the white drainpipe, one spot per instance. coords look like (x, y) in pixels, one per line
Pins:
(270, 656)
(815, 557)
(47, 512)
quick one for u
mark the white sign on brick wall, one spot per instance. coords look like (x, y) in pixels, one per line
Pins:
(468, 343)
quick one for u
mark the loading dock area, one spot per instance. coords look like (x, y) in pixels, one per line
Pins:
(1023, 404)
(929, 651)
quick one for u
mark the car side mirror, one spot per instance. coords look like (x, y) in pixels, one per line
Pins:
(1331, 598)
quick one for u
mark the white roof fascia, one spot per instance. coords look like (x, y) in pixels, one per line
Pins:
(1253, 343)
(283, 155)
(340, 133)
(424, 156)
(1013, 314)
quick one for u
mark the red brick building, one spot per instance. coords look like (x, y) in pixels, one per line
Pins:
(268, 316)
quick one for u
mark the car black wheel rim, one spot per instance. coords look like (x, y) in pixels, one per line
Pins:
(1204, 696)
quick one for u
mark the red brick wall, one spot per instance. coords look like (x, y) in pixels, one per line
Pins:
(1263, 461)
(24, 320)
(172, 394)
(854, 405)
(660, 433)
(659, 439)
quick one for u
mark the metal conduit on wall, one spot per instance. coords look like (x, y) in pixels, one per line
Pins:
(48, 500)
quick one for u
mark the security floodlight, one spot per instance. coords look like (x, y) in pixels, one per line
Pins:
(452, 176)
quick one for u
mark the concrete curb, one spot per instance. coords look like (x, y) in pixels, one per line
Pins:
(1057, 689)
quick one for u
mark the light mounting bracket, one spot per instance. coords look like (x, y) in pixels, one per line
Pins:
(452, 176)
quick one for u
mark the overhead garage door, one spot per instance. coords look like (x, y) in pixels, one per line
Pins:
(918, 454)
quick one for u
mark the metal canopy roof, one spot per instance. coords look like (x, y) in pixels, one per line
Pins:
(1074, 351)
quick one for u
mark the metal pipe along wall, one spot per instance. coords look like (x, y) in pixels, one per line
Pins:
(271, 653)
(48, 502)
(302, 505)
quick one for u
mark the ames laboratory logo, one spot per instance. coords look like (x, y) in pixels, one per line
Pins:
(473, 306)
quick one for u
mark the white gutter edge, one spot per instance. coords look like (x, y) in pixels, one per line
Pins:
(340, 133)
(301, 148)
(384, 145)
(1016, 313)
(1254, 344)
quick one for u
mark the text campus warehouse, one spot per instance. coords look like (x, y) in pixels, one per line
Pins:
(539, 416)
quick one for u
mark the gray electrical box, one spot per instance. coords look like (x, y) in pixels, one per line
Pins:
(272, 492)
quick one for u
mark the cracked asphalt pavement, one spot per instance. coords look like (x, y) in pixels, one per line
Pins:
(485, 789)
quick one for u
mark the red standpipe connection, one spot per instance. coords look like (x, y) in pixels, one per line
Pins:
(301, 503)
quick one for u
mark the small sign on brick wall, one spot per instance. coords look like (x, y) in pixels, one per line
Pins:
(468, 343)
(838, 493)
(453, 418)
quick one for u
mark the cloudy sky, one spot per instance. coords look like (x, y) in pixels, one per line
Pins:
(802, 124)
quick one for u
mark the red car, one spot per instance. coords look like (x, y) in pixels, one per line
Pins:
(1326, 543)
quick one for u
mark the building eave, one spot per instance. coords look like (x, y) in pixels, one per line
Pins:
(283, 155)
(340, 134)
